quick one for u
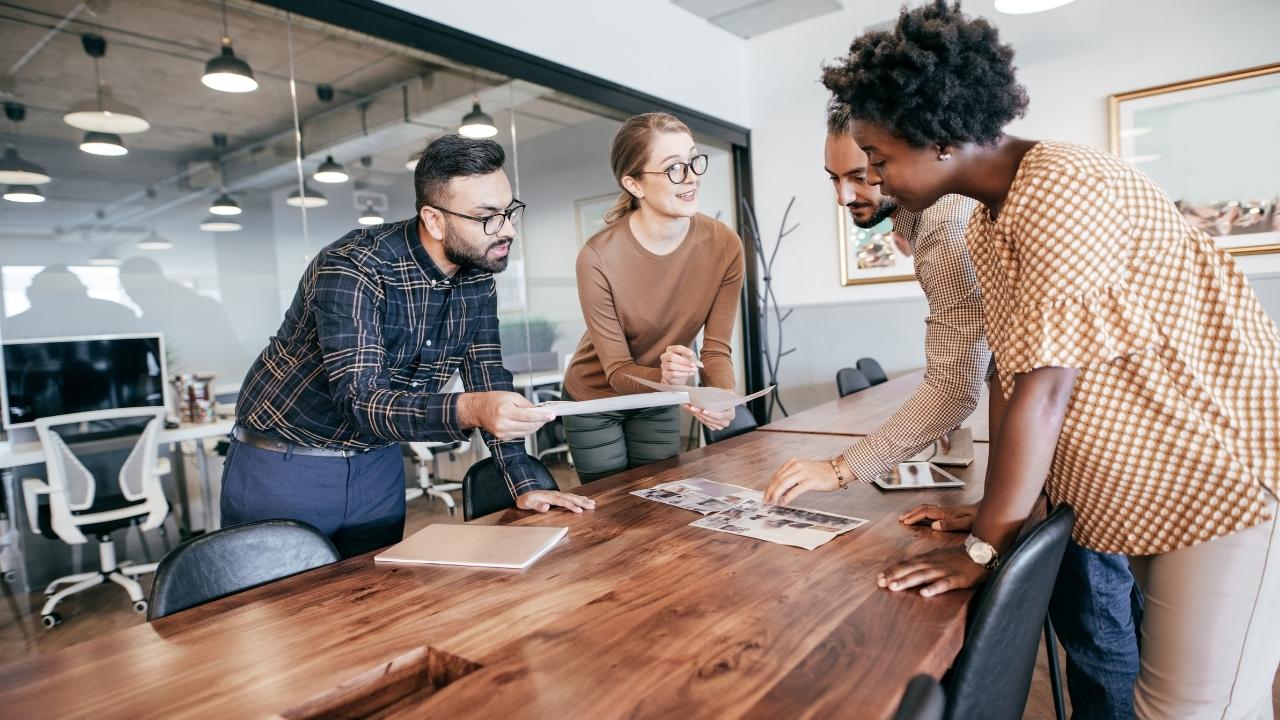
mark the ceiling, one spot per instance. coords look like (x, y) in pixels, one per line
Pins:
(388, 101)
(747, 18)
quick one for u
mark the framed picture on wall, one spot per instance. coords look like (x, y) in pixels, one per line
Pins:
(871, 255)
(589, 215)
(1211, 144)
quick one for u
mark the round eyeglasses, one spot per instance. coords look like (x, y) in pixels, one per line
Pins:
(679, 171)
(493, 223)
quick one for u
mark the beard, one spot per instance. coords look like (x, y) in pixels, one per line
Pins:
(464, 255)
(883, 210)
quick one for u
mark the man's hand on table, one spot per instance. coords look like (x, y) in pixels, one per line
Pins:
(544, 500)
(946, 519)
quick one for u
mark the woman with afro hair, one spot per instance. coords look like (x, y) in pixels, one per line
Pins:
(1141, 374)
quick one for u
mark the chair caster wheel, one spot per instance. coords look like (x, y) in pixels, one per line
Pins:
(140, 607)
(51, 620)
(453, 511)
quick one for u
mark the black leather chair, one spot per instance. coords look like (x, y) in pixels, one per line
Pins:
(225, 562)
(743, 422)
(991, 676)
(851, 380)
(484, 491)
(922, 700)
(872, 370)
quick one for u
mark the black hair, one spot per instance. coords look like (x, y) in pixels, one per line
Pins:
(939, 78)
(449, 157)
(839, 118)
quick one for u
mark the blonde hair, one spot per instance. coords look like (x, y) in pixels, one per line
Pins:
(630, 151)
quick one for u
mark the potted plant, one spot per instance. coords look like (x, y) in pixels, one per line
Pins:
(527, 342)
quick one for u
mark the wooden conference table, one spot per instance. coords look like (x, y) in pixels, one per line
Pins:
(636, 614)
(864, 411)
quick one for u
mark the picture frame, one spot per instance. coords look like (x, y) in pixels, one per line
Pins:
(588, 215)
(1210, 144)
(869, 256)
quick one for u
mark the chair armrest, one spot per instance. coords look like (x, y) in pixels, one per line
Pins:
(163, 466)
(32, 489)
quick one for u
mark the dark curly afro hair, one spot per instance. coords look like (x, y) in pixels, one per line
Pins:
(938, 77)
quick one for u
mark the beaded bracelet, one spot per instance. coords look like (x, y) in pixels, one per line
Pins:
(835, 465)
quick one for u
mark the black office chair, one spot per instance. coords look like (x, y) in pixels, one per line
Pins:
(922, 700)
(851, 380)
(991, 676)
(225, 562)
(743, 422)
(484, 491)
(872, 370)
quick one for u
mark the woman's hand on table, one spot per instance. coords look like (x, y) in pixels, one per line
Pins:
(946, 519)
(798, 477)
(934, 572)
(713, 419)
(544, 500)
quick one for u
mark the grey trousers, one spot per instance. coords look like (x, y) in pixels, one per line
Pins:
(606, 443)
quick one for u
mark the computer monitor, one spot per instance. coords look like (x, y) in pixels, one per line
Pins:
(60, 376)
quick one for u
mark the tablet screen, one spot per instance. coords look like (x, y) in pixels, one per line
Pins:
(917, 475)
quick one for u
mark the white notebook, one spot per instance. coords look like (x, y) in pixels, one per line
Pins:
(499, 546)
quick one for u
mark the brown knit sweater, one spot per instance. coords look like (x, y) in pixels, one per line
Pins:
(636, 303)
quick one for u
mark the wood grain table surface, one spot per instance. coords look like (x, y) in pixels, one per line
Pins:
(635, 614)
(862, 412)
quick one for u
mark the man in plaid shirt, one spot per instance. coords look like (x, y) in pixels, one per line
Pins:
(381, 321)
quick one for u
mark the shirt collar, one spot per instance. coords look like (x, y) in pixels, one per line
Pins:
(437, 278)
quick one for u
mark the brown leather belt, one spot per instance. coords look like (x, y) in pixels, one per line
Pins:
(248, 437)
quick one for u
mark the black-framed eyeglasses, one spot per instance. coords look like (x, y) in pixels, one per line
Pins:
(679, 171)
(492, 223)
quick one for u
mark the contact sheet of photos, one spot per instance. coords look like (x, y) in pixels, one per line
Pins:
(741, 511)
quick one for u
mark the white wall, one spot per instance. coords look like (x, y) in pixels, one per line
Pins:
(1070, 59)
(651, 45)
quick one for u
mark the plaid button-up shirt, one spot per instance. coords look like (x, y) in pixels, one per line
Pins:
(373, 334)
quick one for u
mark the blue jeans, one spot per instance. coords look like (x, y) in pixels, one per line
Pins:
(1096, 610)
(358, 502)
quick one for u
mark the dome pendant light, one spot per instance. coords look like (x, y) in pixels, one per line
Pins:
(370, 216)
(477, 123)
(308, 198)
(225, 71)
(225, 205)
(24, 194)
(330, 172)
(13, 169)
(103, 112)
(101, 143)
(213, 223)
(1026, 7)
(153, 241)
(106, 258)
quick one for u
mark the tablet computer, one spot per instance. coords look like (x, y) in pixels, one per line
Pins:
(918, 476)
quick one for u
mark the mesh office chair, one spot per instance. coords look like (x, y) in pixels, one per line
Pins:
(72, 512)
(851, 380)
(426, 460)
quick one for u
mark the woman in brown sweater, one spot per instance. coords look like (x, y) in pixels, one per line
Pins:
(657, 275)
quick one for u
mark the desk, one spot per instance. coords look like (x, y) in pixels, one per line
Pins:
(862, 412)
(635, 614)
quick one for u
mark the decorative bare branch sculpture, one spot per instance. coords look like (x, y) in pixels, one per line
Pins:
(768, 309)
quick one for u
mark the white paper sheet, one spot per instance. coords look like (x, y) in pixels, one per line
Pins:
(613, 404)
(707, 398)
